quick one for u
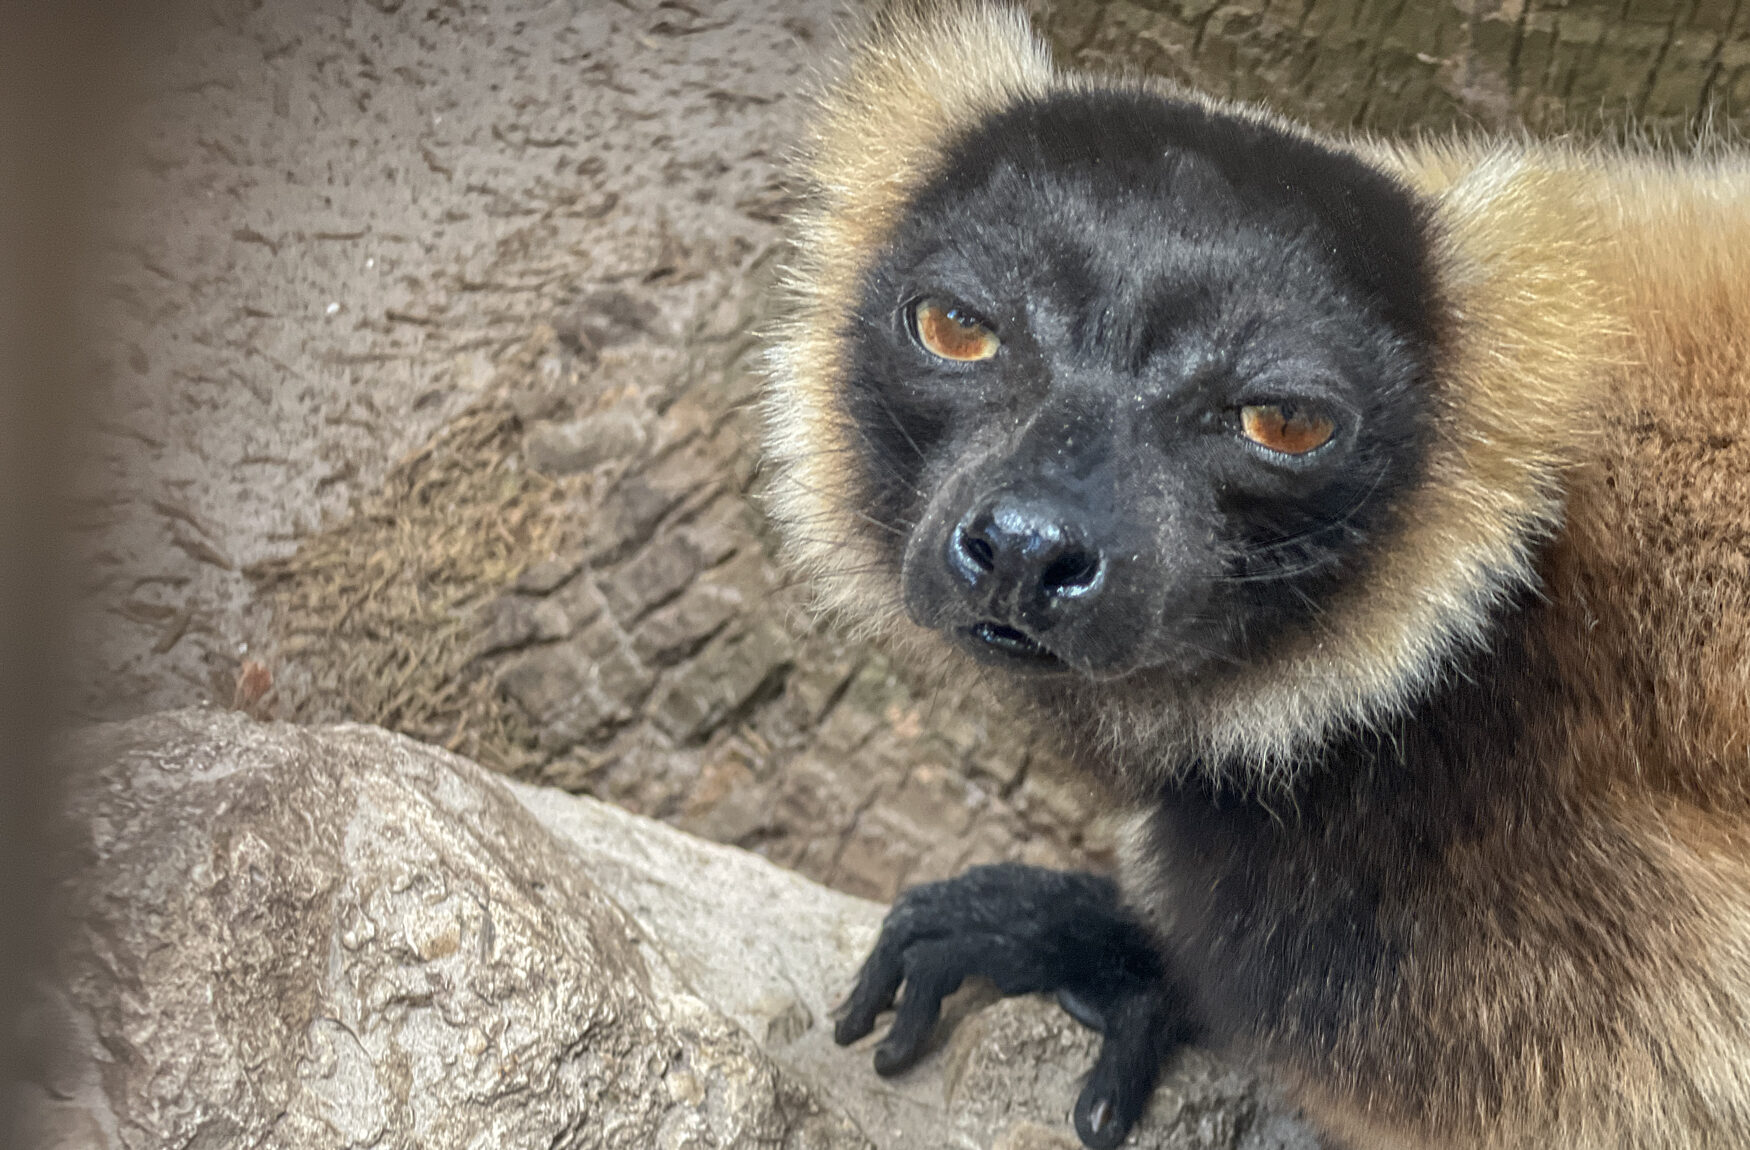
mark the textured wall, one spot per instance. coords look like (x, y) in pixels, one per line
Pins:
(1395, 65)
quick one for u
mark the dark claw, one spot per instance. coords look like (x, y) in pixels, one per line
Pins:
(1100, 1125)
(891, 1059)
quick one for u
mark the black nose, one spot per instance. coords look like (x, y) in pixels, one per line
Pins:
(1030, 546)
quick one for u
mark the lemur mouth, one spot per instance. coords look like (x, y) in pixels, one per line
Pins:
(1000, 643)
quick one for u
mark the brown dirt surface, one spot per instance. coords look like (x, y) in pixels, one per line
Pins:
(336, 219)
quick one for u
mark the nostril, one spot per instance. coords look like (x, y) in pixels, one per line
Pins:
(1070, 573)
(972, 554)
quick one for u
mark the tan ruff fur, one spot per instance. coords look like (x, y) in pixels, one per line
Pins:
(1593, 441)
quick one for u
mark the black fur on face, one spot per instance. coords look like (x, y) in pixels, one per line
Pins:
(1085, 498)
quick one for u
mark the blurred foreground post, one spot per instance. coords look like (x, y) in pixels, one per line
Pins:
(57, 82)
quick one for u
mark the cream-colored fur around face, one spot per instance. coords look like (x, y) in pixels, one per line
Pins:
(1533, 334)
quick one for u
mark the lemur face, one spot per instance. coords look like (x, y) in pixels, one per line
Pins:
(1129, 400)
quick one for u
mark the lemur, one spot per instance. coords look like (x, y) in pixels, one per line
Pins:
(1371, 519)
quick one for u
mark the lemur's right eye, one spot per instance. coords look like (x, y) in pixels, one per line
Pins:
(949, 331)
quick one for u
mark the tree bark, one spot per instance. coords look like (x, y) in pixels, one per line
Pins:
(1666, 68)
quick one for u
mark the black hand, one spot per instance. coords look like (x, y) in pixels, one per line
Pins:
(1027, 929)
(1015, 925)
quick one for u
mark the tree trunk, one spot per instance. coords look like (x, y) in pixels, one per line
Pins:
(1592, 67)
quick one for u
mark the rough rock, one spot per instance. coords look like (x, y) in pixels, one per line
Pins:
(582, 685)
(512, 621)
(723, 681)
(342, 938)
(580, 444)
(285, 936)
(547, 575)
(677, 630)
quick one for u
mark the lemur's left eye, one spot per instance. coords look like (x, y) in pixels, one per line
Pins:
(1286, 428)
(951, 332)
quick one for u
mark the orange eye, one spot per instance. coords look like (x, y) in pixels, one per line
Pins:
(1284, 428)
(953, 333)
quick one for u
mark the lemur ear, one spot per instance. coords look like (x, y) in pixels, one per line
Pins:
(917, 74)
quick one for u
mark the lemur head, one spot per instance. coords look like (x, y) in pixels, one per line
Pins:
(1140, 400)
(1135, 386)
